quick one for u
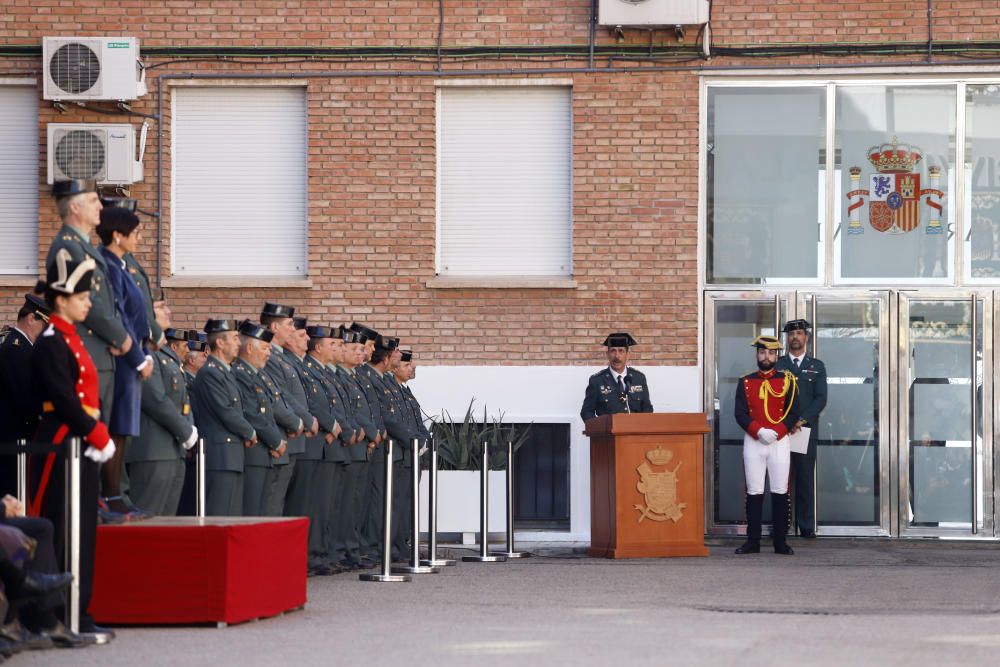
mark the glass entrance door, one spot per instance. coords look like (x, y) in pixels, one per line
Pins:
(905, 440)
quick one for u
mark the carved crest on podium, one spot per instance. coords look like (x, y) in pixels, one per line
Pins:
(659, 487)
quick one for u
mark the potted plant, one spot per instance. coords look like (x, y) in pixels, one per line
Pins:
(460, 451)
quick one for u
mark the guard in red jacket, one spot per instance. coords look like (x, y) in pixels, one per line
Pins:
(67, 386)
(767, 408)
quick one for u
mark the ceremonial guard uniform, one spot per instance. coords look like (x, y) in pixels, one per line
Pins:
(766, 408)
(155, 458)
(405, 409)
(18, 402)
(68, 386)
(258, 408)
(610, 392)
(218, 413)
(811, 375)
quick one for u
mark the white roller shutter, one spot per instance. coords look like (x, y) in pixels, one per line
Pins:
(19, 180)
(504, 181)
(239, 181)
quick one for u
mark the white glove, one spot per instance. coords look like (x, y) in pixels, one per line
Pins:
(767, 436)
(193, 438)
(101, 455)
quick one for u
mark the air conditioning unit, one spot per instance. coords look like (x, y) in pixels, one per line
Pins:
(105, 152)
(652, 12)
(92, 68)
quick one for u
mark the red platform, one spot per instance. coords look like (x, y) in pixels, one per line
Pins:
(177, 570)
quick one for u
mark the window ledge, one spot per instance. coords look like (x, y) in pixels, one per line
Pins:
(501, 282)
(18, 281)
(236, 282)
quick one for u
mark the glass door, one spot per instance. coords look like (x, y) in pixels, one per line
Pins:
(944, 470)
(851, 337)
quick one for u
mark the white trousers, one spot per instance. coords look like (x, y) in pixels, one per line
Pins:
(760, 460)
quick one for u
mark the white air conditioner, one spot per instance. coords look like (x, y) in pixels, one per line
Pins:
(652, 12)
(105, 152)
(92, 68)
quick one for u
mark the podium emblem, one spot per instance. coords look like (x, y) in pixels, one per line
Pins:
(659, 487)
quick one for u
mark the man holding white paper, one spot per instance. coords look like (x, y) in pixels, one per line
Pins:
(811, 375)
(766, 408)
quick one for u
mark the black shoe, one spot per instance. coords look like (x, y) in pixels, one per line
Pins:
(37, 584)
(783, 549)
(63, 637)
(22, 638)
(748, 547)
(807, 533)
(106, 517)
(366, 564)
(100, 634)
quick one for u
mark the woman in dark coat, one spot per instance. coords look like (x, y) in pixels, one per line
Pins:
(66, 382)
(119, 233)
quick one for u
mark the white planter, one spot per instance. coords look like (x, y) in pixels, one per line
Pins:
(458, 501)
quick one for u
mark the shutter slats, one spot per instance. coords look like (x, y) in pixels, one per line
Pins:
(505, 181)
(240, 195)
(19, 180)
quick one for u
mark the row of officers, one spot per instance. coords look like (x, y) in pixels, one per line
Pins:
(295, 416)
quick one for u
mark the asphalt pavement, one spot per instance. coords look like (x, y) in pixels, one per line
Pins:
(836, 602)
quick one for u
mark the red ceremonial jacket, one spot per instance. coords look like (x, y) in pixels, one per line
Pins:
(752, 396)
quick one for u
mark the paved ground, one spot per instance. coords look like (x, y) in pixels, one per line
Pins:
(837, 602)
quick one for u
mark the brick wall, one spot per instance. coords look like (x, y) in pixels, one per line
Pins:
(372, 158)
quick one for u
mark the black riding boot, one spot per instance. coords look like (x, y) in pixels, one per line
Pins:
(779, 510)
(755, 510)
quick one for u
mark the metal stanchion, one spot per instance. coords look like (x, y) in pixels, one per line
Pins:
(510, 553)
(432, 513)
(199, 480)
(386, 575)
(72, 514)
(22, 475)
(415, 567)
(484, 514)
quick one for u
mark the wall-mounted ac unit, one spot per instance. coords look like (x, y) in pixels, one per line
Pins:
(652, 12)
(105, 152)
(92, 68)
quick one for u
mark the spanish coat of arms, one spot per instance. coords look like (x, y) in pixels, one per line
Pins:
(659, 488)
(894, 193)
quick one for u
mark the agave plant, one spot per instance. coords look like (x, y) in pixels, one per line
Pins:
(460, 443)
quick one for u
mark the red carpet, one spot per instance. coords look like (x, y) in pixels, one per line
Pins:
(175, 570)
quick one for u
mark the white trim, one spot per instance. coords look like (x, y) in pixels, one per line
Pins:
(535, 81)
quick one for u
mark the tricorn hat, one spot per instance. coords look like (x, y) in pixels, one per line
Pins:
(130, 205)
(220, 326)
(766, 343)
(276, 310)
(254, 330)
(320, 331)
(176, 334)
(197, 341)
(300, 322)
(386, 343)
(620, 339)
(796, 325)
(405, 355)
(349, 336)
(74, 186)
(66, 275)
(365, 333)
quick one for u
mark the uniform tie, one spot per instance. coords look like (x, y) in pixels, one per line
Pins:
(797, 362)
(621, 386)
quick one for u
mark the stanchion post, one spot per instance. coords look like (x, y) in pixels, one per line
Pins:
(386, 575)
(415, 567)
(72, 514)
(432, 512)
(22, 474)
(199, 490)
(510, 553)
(484, 514)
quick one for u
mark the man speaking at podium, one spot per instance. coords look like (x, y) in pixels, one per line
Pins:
(617, 388)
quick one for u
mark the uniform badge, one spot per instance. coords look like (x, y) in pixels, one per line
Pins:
(636, 388)
(186, 410)
(605, 389)
(659, 488)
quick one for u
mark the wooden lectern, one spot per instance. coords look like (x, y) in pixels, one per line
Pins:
(647, 489)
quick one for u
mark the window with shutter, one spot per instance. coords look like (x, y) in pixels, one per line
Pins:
(19, 180)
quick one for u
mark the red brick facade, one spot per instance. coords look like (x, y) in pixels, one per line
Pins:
(372, 153)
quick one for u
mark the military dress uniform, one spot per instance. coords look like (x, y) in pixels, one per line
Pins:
(810, 373)
(349, 473)
(766, 408)
(403, 426)
(290, 411)
(218, 413)
(369, 380)
(258, 465)
(359, 546)
(609, 392)
(155, 458)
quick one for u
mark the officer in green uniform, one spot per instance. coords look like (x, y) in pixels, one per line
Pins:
(259, 410)
(155, 458)
(102, 332)
(218, 414)
(618, 388)
(811, 375)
